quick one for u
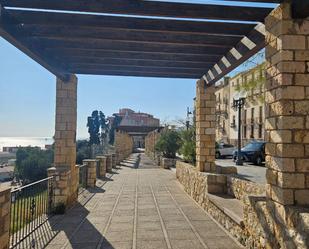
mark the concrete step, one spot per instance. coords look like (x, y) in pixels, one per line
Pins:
(230, 206)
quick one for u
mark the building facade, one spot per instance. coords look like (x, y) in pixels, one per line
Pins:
(251, 83)
(136, 124)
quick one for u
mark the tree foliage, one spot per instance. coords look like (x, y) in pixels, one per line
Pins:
(93, 125)
(188, 144)
(168, 143)
(82, 151)
(114, 126)
(32, 163)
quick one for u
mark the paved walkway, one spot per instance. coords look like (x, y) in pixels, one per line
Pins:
(140, 207)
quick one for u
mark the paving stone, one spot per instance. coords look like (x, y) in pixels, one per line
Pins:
(181, 234)
(149, 234)
(119, 234)
(186, 244)
(151, 244)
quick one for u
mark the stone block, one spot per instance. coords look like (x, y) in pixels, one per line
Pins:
(287, 122)
(271, 176)
(283, 196)
(291, 180)
(302, 197)
(290, 150)
(302, 165)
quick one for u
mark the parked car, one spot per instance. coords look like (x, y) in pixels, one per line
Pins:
(253, 152)
(224, 150)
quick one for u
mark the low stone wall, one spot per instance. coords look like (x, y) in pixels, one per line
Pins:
(199, 185)
(123, 146)
(266, 224)
(5, 202)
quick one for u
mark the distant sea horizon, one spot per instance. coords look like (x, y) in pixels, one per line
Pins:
(26, 141)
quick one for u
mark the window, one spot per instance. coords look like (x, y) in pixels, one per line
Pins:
(261, 114)
(245, 117)
(252, 115)
(252, 131)
(260, 130)
(245, 131)
(234, 121)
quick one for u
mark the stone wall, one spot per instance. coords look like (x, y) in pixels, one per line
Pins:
(5, 202)
(123, 145)
(258, 228)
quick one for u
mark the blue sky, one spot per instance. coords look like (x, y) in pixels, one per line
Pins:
(27, 95)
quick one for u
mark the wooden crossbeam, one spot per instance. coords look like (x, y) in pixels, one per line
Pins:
(95, 44)
(246, 48)
(71, 32)
(148, 8)
(300, 9)
(141, 69)
(138, 74)
(256, 1)
(37, 54)
(149, 56)
(130, 23)
(101, 62)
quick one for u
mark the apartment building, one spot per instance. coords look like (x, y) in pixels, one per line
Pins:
(251, 84)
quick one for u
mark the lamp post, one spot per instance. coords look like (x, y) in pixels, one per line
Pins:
(188, 118)
(238, 103)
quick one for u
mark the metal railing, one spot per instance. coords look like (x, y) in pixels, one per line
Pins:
(83, 174)
(31, 206)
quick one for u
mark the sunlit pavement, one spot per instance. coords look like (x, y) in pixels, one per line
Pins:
(141, 206)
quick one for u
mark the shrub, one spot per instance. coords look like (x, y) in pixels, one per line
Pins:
(168, 143)
(32, 163)
(188, 146)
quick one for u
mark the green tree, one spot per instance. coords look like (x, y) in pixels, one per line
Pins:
(188, 144)
(93, 125)
(114, 126)
(32, 163)
(104, 128)
(168, 143)
(82, 151)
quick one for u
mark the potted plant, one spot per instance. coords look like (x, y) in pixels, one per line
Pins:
(168, 144)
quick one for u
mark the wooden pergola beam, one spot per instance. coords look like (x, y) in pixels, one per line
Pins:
(71, 32)
(149, 56)
(10, 35)
(138, 74)
(101, 62)
(246, 48)
(84, 67)
(130, 23)
(148, 8)
(95, 44)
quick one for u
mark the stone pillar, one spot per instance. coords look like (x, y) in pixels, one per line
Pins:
(102, 161)
(287, 108)
(205, 127)
(109, 163)
(65, 141)
(114, 158)
(91, 165)
(5, 204)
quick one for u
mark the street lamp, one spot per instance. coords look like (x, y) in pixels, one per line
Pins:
(188, 118)
(238, 103)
